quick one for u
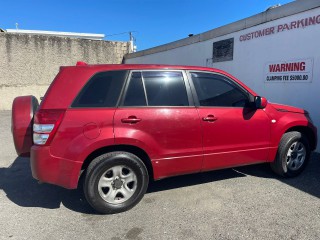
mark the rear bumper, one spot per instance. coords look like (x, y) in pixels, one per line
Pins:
(49, 169)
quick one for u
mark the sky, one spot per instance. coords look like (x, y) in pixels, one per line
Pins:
(153, 22)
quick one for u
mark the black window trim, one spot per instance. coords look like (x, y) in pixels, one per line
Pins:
(144, 88)
(226, 78)
(88, 81)
(185, 80)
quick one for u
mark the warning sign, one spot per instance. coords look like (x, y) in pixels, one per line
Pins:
(289, 71)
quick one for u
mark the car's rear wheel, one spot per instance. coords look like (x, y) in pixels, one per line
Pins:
(23, 110)
(292, 156)
(115, 182)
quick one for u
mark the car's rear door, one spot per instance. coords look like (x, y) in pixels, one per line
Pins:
(234, 133)
(157, 115)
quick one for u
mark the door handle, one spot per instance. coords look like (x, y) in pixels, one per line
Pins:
(131, 119)
(210, 118)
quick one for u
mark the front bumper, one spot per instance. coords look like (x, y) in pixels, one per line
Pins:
(50, 169)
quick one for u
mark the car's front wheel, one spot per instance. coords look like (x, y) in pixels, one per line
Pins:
(115, 182)
(293, 154)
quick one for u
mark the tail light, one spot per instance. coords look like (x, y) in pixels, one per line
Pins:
(45, 125)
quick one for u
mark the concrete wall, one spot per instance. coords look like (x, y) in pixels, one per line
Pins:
(251, 57)
(28, 63)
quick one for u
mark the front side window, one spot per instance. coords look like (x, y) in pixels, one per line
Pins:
(156, 88)
(216, 90)
(102, 90)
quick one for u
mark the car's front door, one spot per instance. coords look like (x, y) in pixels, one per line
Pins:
(234, 133)
(157, 115)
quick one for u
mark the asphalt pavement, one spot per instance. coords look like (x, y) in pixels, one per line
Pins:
(241, 203)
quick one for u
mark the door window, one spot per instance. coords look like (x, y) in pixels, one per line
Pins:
(156, 88)
(135, 93)
(216, 90)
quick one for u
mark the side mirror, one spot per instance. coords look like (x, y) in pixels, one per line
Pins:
(260, 102)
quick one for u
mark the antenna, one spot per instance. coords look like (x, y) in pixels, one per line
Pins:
(132, 40)
(133, 47)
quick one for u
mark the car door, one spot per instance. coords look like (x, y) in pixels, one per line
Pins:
(234, 133)
(157, 115)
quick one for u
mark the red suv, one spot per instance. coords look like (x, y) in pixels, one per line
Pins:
(121, 125)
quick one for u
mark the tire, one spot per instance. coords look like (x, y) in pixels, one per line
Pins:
(292, 156)
(115, 182)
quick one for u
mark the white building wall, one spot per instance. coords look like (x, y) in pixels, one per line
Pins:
(250, 58)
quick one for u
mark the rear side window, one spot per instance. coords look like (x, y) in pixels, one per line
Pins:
(216, 90)
(135, 93)
(102, 90)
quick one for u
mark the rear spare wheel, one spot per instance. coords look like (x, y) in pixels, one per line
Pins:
(23, 109)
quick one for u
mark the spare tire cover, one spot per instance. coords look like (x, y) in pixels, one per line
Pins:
(23, 109)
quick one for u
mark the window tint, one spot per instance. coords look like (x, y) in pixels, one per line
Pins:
(102, 90)
(135, 93)
(165, 88)
(216, 90)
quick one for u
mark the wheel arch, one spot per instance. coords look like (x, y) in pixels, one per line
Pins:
(308, 132)
(126, 148)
